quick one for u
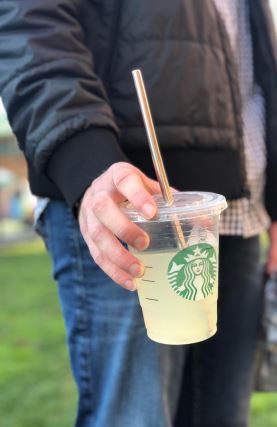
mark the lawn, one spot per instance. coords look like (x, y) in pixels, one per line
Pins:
(35, 382)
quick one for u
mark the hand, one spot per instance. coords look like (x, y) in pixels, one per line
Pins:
(272, 251)
(102, 222)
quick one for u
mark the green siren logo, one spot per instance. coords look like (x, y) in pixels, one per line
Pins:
(192, 272)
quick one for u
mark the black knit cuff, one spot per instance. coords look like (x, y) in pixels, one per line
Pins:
(81, 159)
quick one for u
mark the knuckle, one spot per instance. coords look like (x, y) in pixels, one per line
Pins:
(94, 185)
(121, 230)
(83, 228)
(96, 232)
(127, 231)
(140, 197)
(99, 201)
(120, 257)
(116, 276)
(98, 258)
(121, 174)
(115, 167)
(84, 203)
(126, 236)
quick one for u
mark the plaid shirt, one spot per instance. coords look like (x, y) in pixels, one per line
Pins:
(246, 217)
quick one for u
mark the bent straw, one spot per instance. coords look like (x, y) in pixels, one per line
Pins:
(155, 149)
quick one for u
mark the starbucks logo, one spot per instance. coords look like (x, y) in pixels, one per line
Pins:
(192, 272)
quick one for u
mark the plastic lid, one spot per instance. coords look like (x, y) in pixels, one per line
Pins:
(187, 204)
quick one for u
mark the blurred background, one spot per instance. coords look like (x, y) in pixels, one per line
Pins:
(35, 380)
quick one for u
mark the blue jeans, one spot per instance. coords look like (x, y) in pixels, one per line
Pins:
(123, 378)
(126, 380)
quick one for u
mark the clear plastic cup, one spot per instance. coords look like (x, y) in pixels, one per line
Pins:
(178, 292)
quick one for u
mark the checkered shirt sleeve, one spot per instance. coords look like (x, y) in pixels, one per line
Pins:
(246, 217)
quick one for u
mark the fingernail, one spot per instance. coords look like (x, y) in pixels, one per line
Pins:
(141, 243)
(130, 285)
(136, 270)
(148, 210)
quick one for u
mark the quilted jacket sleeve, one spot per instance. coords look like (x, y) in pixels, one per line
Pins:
(56, 104)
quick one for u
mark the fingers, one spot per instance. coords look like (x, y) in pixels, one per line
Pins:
(108, 253)
(108, 214)
(110, 246)
(118, 275)
(150, 184)
(129, 182)
(153, 186)
(102, 221)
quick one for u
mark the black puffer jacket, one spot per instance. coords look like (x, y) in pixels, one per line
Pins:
(65, 77)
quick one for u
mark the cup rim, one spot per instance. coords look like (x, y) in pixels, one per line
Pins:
(187, 204)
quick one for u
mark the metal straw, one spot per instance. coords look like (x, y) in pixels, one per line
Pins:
(152, 138)
(155, 149)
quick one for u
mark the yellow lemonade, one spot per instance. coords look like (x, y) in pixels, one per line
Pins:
(178, 292)
(179, 304)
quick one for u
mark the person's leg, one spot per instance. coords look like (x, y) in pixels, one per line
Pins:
(218, 376)
(123, 378)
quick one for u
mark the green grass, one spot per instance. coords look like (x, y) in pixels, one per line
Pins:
(264, 410)
(35, 381)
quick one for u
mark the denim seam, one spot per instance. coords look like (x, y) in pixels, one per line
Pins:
(79, 264)
(81, 297)
(48, 232)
